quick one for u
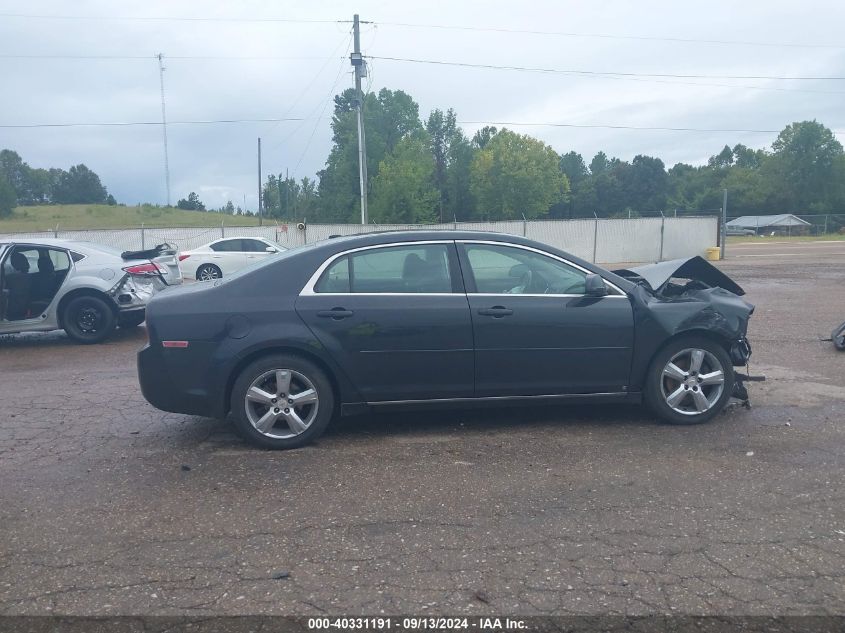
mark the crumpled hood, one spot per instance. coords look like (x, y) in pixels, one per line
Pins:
(696, 268)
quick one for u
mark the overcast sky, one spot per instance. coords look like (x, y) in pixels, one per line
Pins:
(311, 65)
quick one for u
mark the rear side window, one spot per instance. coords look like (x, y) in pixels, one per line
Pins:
(413, 269)
(228, 246)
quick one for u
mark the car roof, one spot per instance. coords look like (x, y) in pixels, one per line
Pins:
(58, 242)
(239, 237)
(386, 237)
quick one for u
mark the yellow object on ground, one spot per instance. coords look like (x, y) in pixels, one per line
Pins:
(713, 254)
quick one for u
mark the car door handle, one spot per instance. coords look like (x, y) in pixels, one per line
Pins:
(497, 312)
(335, 313)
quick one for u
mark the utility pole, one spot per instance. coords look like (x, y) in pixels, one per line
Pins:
(164, 127)
(360, 67)
(724, 230)
(260, 206)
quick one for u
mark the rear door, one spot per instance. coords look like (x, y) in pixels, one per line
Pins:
(396, 318)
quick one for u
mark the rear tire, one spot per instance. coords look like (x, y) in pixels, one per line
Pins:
(282, 401)
(689, 381)
(88, 319)
(208, 272)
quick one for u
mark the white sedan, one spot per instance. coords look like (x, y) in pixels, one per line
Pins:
(225, 256)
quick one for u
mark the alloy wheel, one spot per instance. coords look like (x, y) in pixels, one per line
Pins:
(692, 381)
(209, 273)
(281, 403)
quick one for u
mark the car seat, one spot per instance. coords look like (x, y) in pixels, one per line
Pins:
(18, 283)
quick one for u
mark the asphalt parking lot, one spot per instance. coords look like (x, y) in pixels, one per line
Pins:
(108, 506)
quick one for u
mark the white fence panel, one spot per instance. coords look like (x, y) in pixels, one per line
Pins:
(684, 237)
(572, 236)
(602, 240)
(624, 241)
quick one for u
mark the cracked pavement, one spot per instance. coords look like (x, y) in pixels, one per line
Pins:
(108, 506)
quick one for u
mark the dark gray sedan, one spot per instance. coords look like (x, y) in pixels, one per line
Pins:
(441, 318)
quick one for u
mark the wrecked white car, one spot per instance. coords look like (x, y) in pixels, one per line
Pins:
(83, 288)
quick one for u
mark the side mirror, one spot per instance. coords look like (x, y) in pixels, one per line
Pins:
(594, 286)
(270, 249)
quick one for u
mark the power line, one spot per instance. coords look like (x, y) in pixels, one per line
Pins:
(170, 57)
(610, 75)
(144, 18)
(618, 127)
(567, 71)
(650, 38)
(314, 77)
(462, 122)
(451, 27)
(146, 123)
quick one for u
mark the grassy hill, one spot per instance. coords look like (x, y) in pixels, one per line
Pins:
(102, 216)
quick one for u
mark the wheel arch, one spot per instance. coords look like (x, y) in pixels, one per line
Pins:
(721, 339)
(83, 292)
(271, 351)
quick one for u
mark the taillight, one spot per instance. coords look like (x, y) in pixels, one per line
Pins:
(183, 257)
(151, 268)
(176, 344)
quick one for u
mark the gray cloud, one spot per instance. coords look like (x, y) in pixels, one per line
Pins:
(219, 161)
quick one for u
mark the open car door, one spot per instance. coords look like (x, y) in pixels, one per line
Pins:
(3, 292)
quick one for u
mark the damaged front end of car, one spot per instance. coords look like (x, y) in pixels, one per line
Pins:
(693, 296)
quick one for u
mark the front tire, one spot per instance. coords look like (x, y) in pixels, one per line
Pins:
(208, 272)
(88, 319)
(282, 401)
(689, 381)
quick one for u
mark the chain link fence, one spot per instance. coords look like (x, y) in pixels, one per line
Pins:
(604, 240)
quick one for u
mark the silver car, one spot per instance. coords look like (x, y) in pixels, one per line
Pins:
(83, 288)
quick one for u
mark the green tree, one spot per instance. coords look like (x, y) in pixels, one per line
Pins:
(79, 185)
(600, 164)
(516, 175)
(8, 199)
(452, 154)
(389, 116)
(747, 158)
(404, 190)
(483, 136)
(805, 168)
(573, 166)
(191, 203)
(645, 184)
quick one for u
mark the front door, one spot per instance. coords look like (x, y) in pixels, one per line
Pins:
(536, 333)
(396, 319)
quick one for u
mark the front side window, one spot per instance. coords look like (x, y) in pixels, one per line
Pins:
(254, 246)
(422, 268)
(500, 269)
